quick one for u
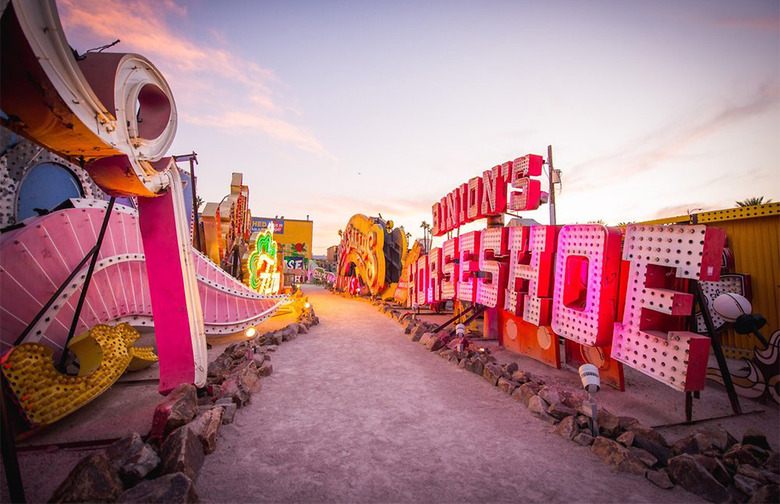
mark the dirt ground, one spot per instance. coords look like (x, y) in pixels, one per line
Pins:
(355, 412)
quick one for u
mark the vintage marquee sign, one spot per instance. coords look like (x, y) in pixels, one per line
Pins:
(261, 270)
(572, 281)
(362, 245)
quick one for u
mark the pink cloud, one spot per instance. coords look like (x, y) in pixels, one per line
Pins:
(194, 68)
(754, 23)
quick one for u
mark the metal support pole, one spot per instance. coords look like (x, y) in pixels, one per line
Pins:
(454, 318)
(54, 296)
(10, 461)
(85, 287)
(193, 159)
(551, 177)
(716, 349)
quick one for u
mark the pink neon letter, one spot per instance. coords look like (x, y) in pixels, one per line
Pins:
(646, 339)
(587, 271)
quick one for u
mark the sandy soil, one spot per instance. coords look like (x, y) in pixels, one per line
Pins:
(355, 412)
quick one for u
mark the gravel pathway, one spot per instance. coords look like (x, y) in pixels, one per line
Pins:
(354, 412)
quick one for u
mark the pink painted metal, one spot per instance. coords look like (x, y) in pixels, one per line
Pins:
(164, 268)
(36, 258)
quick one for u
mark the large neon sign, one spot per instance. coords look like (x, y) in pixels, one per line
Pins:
(572, 281)
(261, 270)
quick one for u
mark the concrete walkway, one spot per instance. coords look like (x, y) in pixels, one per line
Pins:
(354, 412)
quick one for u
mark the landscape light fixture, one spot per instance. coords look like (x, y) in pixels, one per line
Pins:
(250, 332)
(591, 382)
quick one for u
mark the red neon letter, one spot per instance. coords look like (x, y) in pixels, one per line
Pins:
(474, 207)
(421, 280)
(529, 288)
(491, 288)
(433, 294)
(451, 270)
(469, 266)
(437, 229)
(494, 191)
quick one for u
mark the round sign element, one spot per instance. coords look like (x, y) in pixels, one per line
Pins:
(544, 336)
(593, 355)
(730, 306)
(511, 329)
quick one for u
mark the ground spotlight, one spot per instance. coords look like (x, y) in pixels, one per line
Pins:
(591, 382)
(250, 332)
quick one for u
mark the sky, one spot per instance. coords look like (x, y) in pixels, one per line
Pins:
(334, 107)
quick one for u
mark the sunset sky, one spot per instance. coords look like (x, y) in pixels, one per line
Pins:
(332, 108)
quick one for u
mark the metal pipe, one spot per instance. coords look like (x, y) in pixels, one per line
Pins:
(551, 177)
(85, 287)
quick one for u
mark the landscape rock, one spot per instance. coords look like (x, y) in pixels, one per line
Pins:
(692, 476)
(746, 485)
(572, 399)
(478, 366)
(694, 444)
(510, 368)
(228, 411)
(583, 439)
(537, 405)
(507, 386)
(719, 438)
(132, 458)
(753, 472)
(662, 453)
(526, 392)
(438, 342)
(560, 410)
(426, 337)
(182, 452)
(174, 488)
(755, 437)
(715, 467)
(93, 479)
(567, 428)
(626, 439)
(265, 370)
(744, 454)
(178, 408)
(521, 376)
(206, 428)
(491, 373)
(233, 389)
(643, 456)
(766, 494)
(617, 456)
(549, 395)
(609, 424)
(772, 464)
(548, 418)
(647, 433)
(660, 479)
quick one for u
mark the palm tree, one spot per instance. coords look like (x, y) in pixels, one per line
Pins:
(755, 200)
(425, 227)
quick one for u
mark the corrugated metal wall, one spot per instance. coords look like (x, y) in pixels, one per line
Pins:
(755, 243)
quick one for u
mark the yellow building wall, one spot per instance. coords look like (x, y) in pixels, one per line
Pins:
(293, 235)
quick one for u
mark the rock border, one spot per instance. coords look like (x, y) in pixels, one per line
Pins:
(185, 428)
